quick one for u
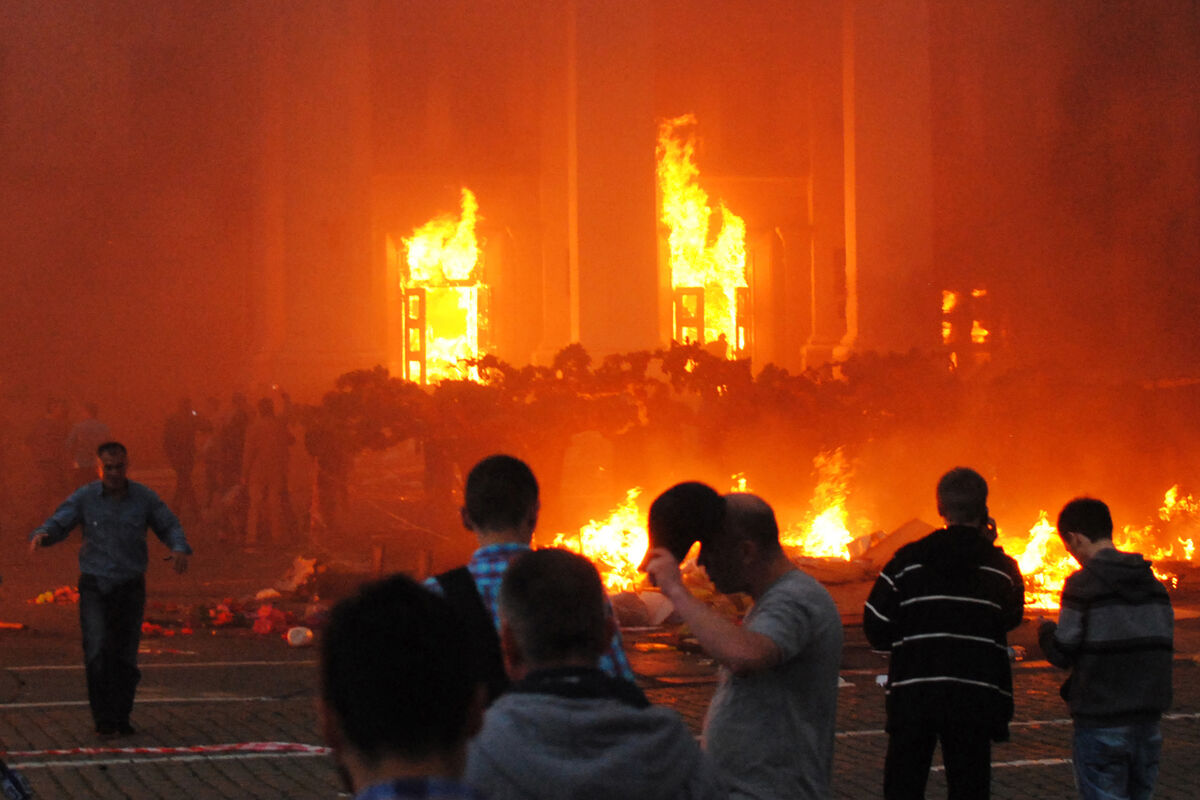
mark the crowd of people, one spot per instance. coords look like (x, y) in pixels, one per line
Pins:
(507, 677)
(545, 710)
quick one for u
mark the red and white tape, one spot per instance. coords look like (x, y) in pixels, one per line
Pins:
(196, 749)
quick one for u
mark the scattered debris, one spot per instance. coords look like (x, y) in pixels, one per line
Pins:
(299, 636)
(63, 594)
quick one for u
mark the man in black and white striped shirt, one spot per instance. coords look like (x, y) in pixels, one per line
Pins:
(942, 607)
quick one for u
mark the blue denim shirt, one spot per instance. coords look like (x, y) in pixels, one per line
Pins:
(418, 789)
(488, 565)
(114, 530)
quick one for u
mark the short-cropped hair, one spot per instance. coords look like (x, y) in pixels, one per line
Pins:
(112, 447)
(748, 516)
(962, 495)
(554, 603)
(397, 671)
(1088, 516)
(499, 493)
(686, 513)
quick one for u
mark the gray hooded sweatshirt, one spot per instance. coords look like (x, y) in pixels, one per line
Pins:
(572, 737)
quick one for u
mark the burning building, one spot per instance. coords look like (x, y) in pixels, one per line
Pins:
(283, 193)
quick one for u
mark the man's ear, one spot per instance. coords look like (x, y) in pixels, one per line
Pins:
(610, 629)
(466, 519)
(514, 660)
(475, 711)
(331, 731)
(532, 518)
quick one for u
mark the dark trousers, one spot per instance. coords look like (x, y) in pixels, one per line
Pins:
(966, 754)
(112, 628)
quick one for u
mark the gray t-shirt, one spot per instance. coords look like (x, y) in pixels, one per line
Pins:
(771, 732)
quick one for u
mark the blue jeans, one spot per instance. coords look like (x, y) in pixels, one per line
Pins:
(112, 628)
(1117, 763)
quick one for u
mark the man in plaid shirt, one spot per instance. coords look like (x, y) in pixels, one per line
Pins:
(500, 506)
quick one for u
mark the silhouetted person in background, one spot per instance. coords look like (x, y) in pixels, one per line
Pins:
(113, 514)
(233, 439)
(500, 506)
(1115, 633)
(399, 695)
(86, 435)
(263, 468)
(46, 442)
(770, 725)
(565, 728)
(179, 444)
(943, 607)
(212, 454)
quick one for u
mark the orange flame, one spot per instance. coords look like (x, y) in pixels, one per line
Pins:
(616, 544)
(442, 256)
(979, 334)
(1044, 562)
(698, 260)
(949, 301)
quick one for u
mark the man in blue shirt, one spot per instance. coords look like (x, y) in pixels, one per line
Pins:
(500, 506)
(114, 513)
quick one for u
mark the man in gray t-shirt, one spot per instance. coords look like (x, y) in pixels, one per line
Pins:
(771, 723)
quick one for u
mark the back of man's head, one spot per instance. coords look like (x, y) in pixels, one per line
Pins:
(962, 497)
(1087, 516)
(748, 516)
(686, 513)
(397, 675)
(553, 603)
(501, 493)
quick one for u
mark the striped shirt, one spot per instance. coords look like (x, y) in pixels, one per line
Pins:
(942, 607)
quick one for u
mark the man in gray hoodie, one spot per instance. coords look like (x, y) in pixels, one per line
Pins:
(565, 728)
(1116, 633)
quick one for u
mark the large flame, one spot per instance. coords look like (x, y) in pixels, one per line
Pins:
(442, 256)
(1046, 565)
(825, 532)
(716, 264)
(616, 544)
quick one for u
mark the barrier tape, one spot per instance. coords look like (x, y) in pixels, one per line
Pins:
(197, 749)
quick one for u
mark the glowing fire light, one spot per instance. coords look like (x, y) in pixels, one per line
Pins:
(616, 544)
(442, 258)
(979, 334)
(1045, 563)
(949, 301)
(825, 533)
(698, 259)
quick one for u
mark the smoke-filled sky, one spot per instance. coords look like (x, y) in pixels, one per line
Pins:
(192, 188)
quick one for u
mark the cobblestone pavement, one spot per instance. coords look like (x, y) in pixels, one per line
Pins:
(228, 717)
(1034, 764)
(200, 722)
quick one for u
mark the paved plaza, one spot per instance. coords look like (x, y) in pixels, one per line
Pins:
(232, 715)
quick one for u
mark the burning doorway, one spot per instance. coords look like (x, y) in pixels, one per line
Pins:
(710, 292)
(444, 298)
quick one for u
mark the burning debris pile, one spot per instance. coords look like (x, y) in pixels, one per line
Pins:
(842, 452)
(296, 600)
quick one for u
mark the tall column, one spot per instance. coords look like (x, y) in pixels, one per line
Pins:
(891, 140)
(604, 163)
(321, 308)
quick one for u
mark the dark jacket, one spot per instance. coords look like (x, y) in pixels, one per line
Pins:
(1115, 632)
(943, 607)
